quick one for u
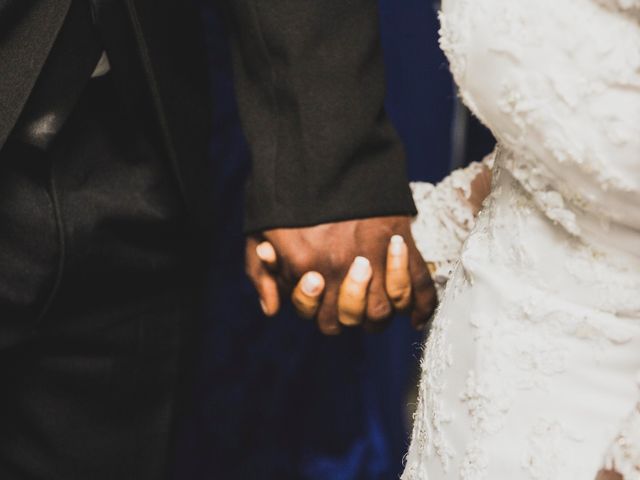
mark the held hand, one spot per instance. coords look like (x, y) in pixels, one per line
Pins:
(329, 250)
(479, 189)
(352, 298)
(608, 475)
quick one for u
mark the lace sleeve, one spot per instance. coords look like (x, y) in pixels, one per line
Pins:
(445, 217)
(631, 7)
(624, 454)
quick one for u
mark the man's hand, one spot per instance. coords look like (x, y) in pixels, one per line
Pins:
(330, 249)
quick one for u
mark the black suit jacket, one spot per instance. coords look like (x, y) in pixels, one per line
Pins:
(310, 88)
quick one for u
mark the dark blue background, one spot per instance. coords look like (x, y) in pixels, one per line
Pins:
(273, 399)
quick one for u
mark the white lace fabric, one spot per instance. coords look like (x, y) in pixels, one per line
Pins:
(624, 454)
(446, 218)
(627, 6)
(530, 365)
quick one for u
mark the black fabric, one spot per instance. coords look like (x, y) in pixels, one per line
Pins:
(310, 85)
(10, 10)
(69, 66)
(95, 251)
(97, 405)
(162, 40)
(26, 37)
(96, 299)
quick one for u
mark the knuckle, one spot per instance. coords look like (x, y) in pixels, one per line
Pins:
(302, 262)
(379, 310)
(337, 270)
(353, 292)
(402, 303)
(398, 293)
(351, 309)
(329, 328)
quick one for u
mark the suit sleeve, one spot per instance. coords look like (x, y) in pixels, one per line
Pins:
(310, 87)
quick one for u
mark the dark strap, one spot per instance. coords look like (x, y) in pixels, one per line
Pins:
(68, 68)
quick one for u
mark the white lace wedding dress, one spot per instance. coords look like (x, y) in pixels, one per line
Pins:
(531, 366)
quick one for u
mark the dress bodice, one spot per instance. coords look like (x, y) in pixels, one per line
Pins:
(529, 370)
(557, 82)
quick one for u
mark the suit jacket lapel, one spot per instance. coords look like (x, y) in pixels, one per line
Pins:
(23, 51)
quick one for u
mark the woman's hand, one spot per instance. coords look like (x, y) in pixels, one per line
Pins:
(609, 475)
(479, 188)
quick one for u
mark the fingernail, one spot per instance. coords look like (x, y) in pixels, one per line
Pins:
(265, 252)
(360, 269)
(397, 245)
(264, 307)
(312, 284)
